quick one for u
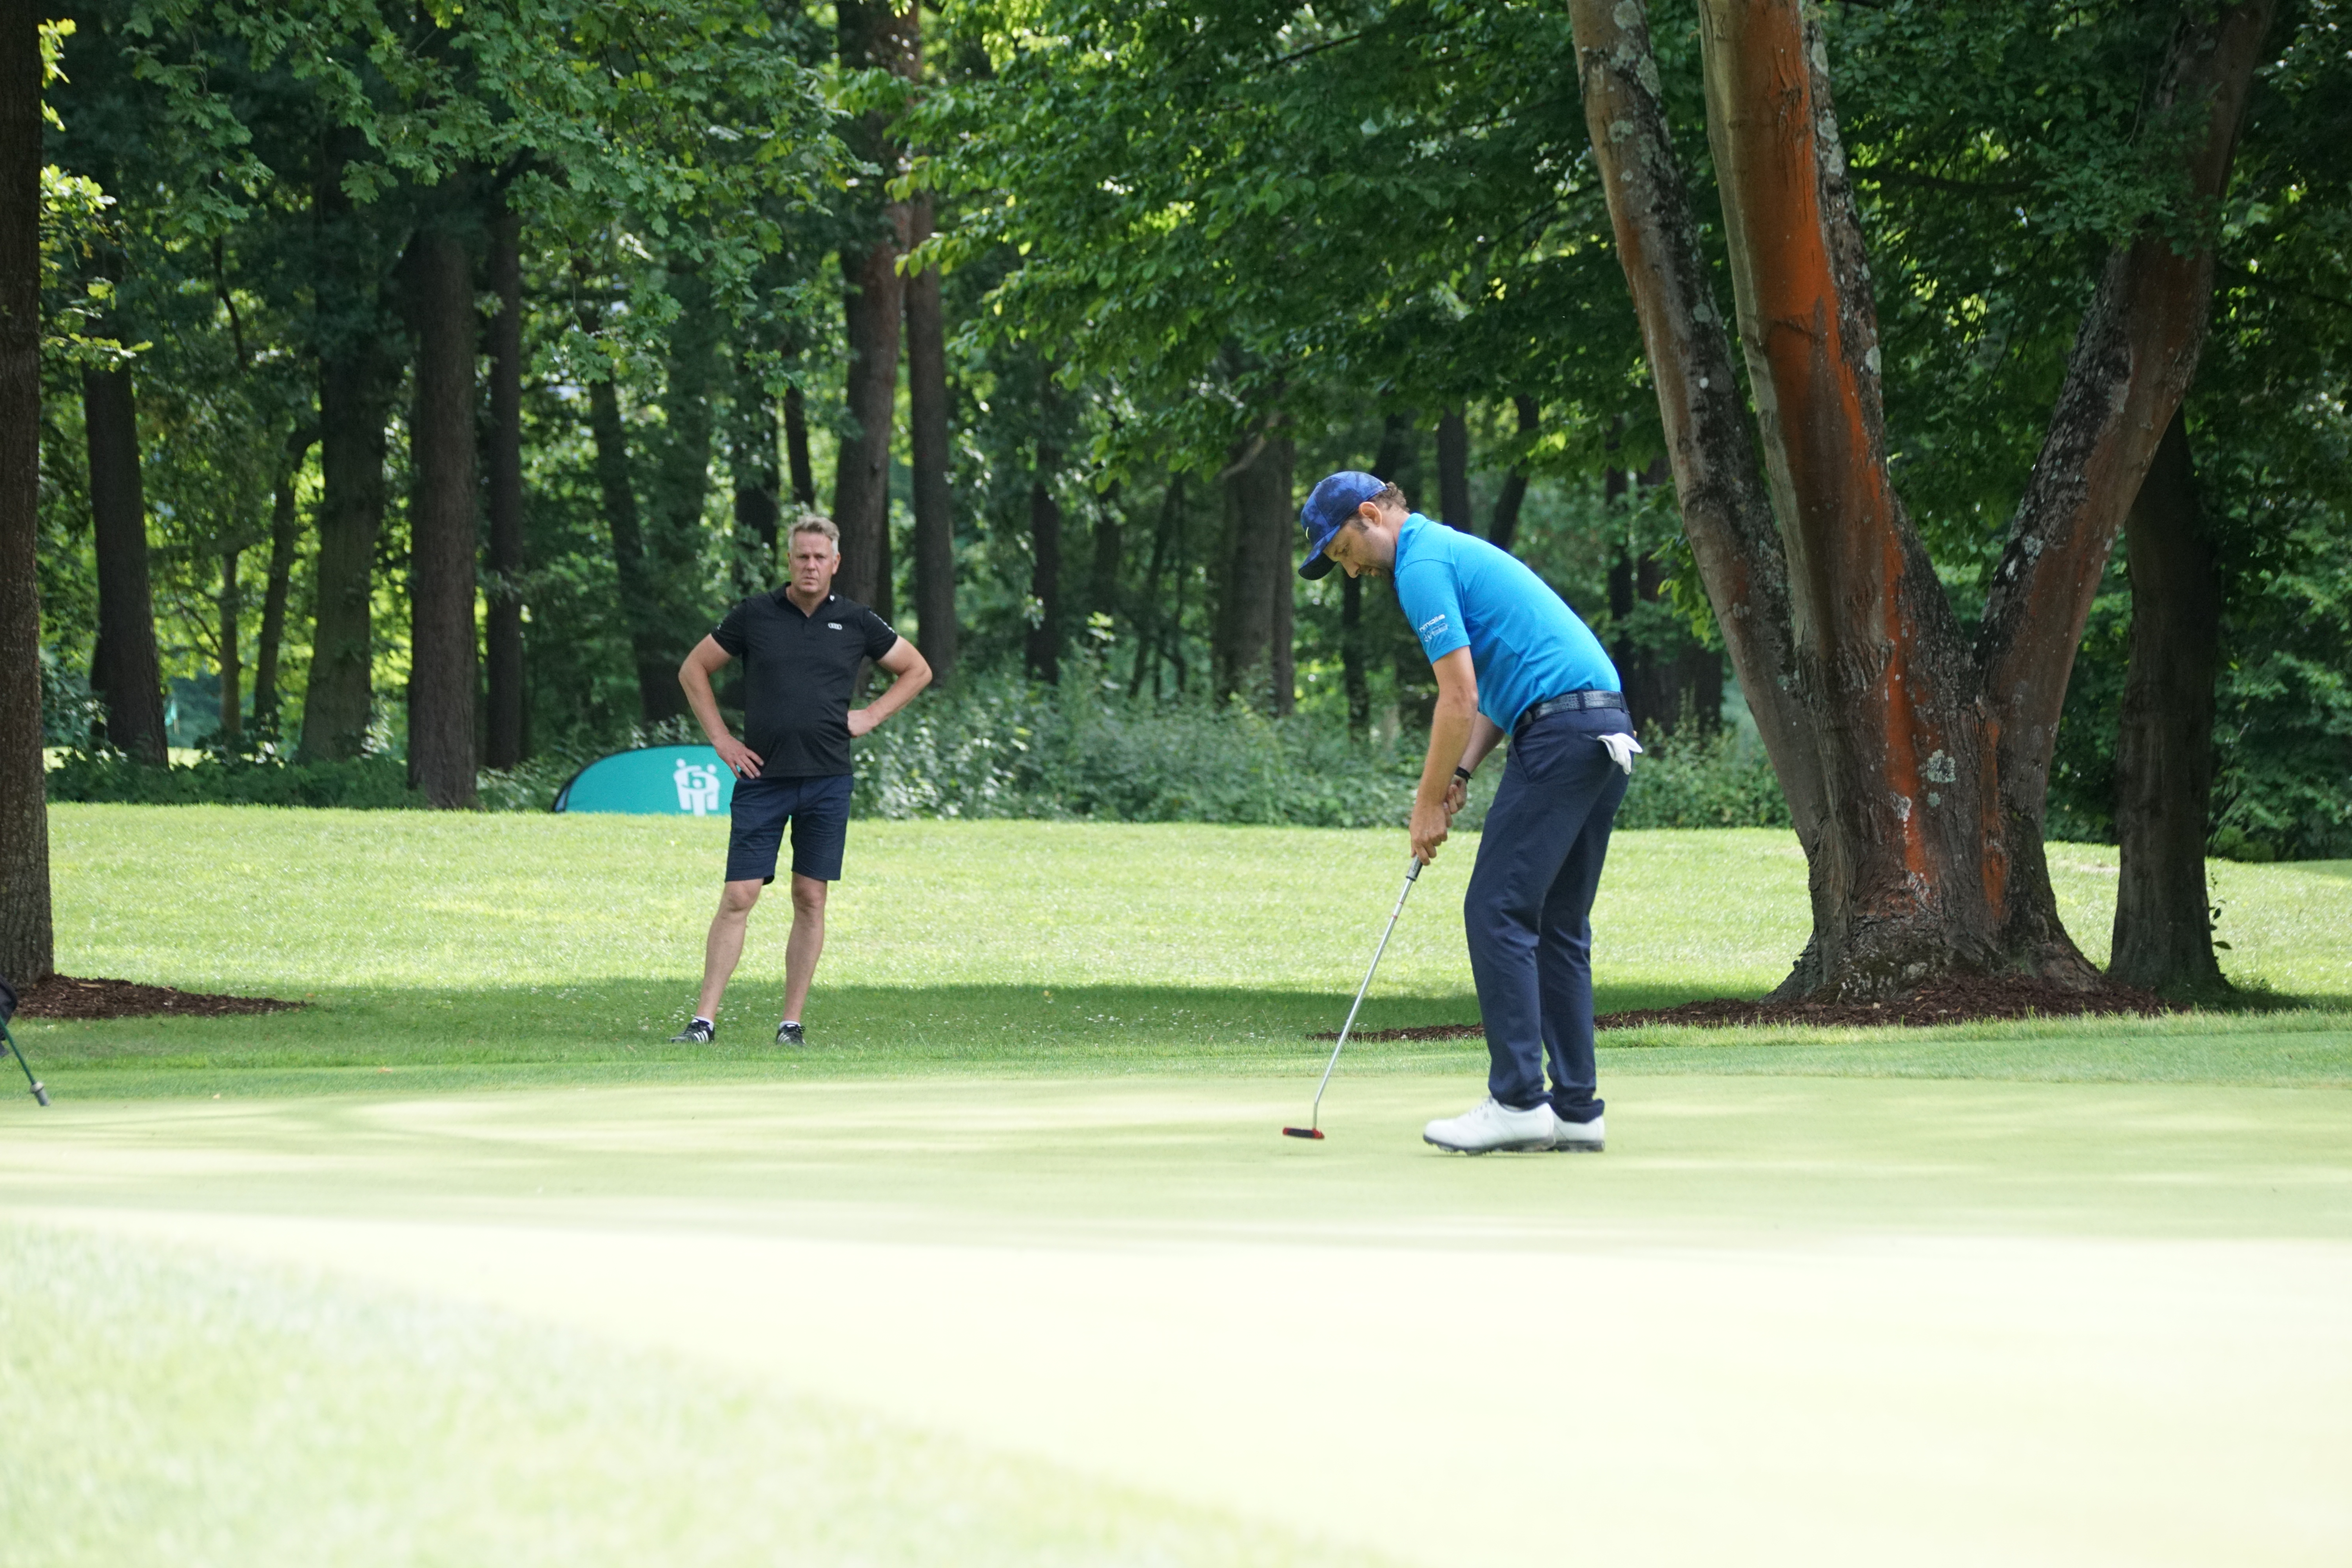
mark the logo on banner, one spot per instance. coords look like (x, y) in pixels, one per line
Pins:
(698, 787)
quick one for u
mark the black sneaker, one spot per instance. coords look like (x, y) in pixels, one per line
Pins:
(698, 1033)
(790, 1034)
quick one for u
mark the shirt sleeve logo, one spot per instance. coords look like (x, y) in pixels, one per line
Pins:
(1431, 627)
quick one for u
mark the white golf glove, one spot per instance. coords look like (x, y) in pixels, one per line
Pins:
(1623, 750)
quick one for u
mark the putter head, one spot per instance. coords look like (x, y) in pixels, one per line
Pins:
(1301, 1133)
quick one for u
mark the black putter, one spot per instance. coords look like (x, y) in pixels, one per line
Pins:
(1313, 1128)
(8, 1011)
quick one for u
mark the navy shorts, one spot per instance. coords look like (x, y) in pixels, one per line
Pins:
(818, 810)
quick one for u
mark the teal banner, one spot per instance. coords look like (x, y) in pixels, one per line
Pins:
(657, 780)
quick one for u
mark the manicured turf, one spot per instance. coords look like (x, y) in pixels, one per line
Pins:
(464, 1264)
(475, 950)
(1120, 1320)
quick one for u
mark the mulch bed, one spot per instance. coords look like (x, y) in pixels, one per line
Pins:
(64, 996)
(1959, 999)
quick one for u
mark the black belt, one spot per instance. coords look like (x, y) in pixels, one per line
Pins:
(1572, 699)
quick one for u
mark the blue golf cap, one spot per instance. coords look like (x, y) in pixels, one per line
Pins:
(1328, 509)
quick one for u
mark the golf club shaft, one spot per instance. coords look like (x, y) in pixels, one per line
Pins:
(1411, 872)
(41, 1092)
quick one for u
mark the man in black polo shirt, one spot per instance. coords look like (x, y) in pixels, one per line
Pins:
(801, 647)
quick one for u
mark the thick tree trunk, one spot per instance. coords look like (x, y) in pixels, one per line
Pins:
(127, 673)
(871, 35)
(1045, 644)
(757, 513)
(1915, 767)
(27, 938)
(796, 450)
(232, 668)
(506, 729)
(1506, 526)
(441, 521)
(1150, 617)
(285, 545)
(1256, 485)
(1454, 471)
(657, 679)
(927, 418)
(2164, 743)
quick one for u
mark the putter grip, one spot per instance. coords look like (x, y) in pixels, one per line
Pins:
(1413, 868)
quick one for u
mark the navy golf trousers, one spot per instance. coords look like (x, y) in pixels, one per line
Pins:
(1530, 905)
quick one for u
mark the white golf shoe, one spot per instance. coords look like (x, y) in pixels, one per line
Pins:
(1578, 1137)
(1494, 1125)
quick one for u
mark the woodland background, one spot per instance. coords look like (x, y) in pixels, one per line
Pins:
(419, 382)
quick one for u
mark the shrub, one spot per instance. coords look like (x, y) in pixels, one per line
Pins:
(231, 780)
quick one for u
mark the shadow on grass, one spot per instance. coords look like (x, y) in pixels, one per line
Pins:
(430, 1040)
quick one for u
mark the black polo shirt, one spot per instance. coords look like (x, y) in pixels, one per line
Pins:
(798, 671)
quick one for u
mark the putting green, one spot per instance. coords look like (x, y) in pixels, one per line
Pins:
(1120, 1319)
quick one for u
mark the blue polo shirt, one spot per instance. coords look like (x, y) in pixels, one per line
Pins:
(1458, 590)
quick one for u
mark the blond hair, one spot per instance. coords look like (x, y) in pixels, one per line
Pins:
(815, 522)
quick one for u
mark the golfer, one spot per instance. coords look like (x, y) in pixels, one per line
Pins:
(802, 647)
(1511, 659)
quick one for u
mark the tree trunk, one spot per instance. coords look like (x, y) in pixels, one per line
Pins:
(1109, 556)
(232, 670)
(1149, 618)
(1399, 462)
(657, 679)
(1045, 644)
(796, 449)
(356, 390)
(285, 544)
(871, 35)
(1279, 524)
(353, 394)
(126, 672)
(27, 937)
(1916, 766)
(1257, 485)
(759, 512)
(504, 734)
(1515, 485)
(927, 418)
(441, 521)
(1454, 471)
(2164, 743)
(1353, 676)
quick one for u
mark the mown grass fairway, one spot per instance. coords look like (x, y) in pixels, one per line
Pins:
(1011, 1266)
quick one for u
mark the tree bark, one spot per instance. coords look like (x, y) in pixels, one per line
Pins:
(927, 417)
(1284, 633)
(871, 35)
(27, 934)
(657, 680)
(441, 521)
(1354, 679)
(232, 669)
(1045, 643)
(356, 390)
(126, 671)
(1257, 485)
(1454, 471)
(1915, 765)
(1506, 526)
(506, 728)
(285, 544)
(796, 449)
(2164, 743)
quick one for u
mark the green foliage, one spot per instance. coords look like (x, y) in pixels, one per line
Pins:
(221, 779)
(1698, 778)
